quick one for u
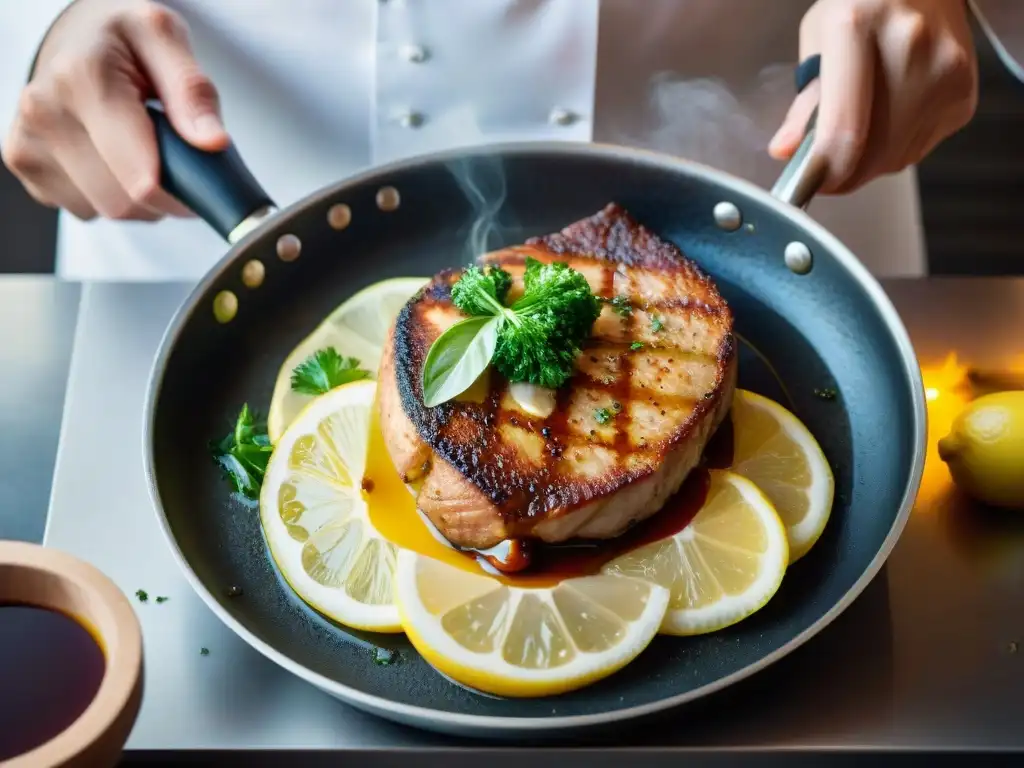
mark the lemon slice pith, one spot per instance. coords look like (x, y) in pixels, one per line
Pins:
(773, 449)
(513, 641)
(357, 328)
(314, 513)
(725, 565)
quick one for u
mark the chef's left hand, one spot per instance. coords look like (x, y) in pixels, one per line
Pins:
(897, 78)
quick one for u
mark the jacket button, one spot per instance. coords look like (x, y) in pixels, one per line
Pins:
(561, 116)
(411, 120)
(414, 53)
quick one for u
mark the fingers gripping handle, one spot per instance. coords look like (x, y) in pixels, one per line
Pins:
(216, 185)
(805, 172)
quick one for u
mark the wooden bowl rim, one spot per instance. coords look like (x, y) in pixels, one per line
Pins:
(35, 575)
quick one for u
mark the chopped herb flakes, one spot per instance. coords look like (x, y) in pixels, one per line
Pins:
(657, 324)
(204, 651)
(384, 657)
(603, 415)
(636, 345)
(162, 599)
(622, 306)
(143, 595)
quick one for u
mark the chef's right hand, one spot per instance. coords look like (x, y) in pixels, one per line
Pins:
(82, 139)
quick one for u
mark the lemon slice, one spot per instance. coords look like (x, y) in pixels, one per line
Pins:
(357, 328)
(314, 512)
(515, 641)
(773, 449)
(725, 565)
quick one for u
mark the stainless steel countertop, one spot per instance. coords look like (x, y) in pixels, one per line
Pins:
(926, 658)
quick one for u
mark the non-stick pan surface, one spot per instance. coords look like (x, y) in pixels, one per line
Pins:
(832, 328)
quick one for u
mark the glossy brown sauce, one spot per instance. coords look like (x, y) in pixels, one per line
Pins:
(50, 671)
(535, 564)
(528, 562)
(532, 563)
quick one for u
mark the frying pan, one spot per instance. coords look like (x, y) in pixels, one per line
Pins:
(809, 317)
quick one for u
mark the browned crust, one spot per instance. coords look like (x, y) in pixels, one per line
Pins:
(466, 435)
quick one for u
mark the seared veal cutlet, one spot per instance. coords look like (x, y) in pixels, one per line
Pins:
(650, 387)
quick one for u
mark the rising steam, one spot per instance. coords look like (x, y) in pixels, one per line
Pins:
(702, 119)
(714, 123)
(482, 180)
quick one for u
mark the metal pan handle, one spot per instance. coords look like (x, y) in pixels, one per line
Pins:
(805, 172)
(216, 185)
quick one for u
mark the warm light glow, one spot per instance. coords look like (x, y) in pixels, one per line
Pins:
(947, 390)
(949, 376)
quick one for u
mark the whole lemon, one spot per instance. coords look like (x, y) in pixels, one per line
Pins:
(984, 449)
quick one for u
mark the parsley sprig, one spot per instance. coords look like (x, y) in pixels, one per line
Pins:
(243, 454)
(324, 370)
(535, 340)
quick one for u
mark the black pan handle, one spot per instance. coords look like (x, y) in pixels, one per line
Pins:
(804, 174)
(216, 185)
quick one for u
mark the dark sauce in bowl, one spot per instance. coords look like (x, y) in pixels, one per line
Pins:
(51, 668)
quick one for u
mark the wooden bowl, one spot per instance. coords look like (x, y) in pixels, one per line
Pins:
(46, 578)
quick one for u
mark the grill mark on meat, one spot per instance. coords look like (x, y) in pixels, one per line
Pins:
(525, 494)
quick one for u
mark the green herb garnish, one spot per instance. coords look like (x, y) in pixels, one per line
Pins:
(324, 370)
(657, 324)
(535, 340)
(622, 306)
(243, 454)
(384, 657)
(636, 345)
(481, 293)
(162, 599)
(603, 415)
(142, 595)
(458, 356)
(204, 651)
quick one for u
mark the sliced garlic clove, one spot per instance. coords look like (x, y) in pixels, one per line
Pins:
(534, 400)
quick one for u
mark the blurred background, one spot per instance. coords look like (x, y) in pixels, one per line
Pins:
(972, 192)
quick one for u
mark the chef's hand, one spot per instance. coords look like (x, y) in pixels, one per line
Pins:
(897, 78)
(82, 139)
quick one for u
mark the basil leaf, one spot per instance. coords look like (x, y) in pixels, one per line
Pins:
(458, 356)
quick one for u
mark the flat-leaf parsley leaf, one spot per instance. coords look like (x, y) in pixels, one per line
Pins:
(243, 454)
(324, 370)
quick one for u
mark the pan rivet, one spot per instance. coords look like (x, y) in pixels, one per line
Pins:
(798, 258)
(288, 247)
(225, 306)
(728, 216)
(339, 216)
(388, 198)
(253, 273)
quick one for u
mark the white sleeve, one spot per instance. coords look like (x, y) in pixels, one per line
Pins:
(23, 25)
(1003, 24)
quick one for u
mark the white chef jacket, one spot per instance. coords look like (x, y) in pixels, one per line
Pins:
(314, 90)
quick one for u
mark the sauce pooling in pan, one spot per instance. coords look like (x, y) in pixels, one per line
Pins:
(392, 510)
